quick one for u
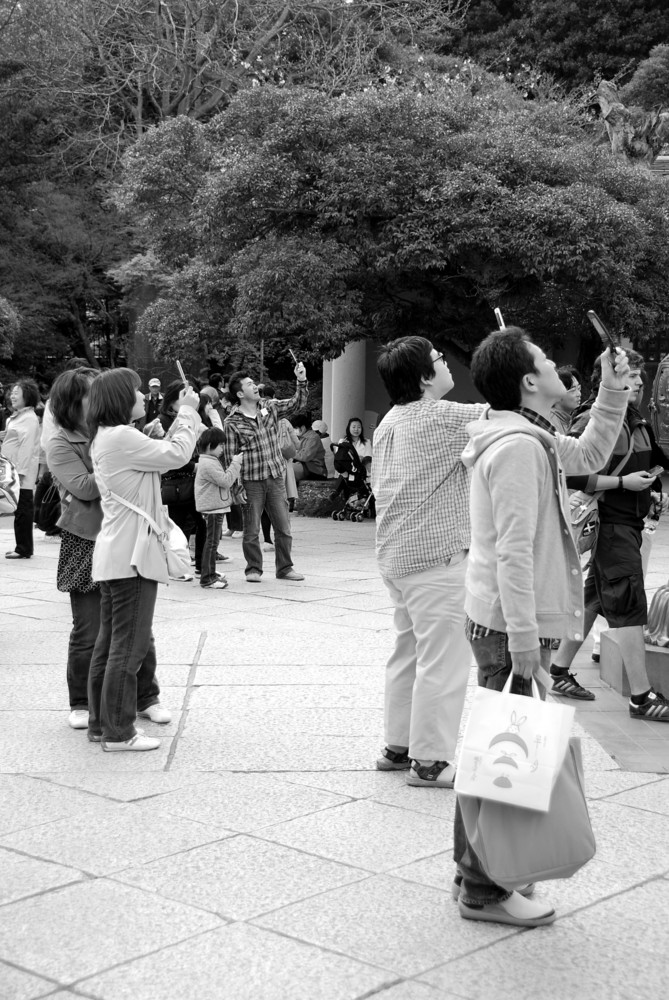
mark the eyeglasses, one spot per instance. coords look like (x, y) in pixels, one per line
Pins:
(439, 357)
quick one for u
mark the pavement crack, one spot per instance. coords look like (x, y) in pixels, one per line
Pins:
(190, 684)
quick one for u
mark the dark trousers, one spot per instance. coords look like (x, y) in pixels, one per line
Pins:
(124, 644)
(214, 525)
(266, 526)
(23, 524)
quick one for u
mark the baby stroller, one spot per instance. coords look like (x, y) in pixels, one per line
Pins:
(358, 499)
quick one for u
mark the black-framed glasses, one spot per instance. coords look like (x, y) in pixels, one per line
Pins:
(439, 357)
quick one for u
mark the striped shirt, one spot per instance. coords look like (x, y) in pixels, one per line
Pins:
(420, 485)
(258, 437)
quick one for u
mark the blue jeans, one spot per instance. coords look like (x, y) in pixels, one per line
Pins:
(214, 523)
(269, 495)
(494, 666)
(85, 628)
(124, 645)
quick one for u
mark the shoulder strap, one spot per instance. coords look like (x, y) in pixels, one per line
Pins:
(138, 510)
(621, 465)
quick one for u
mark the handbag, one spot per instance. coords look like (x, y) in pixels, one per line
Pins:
(517, 846)
(160, 553)
(513, 747)
(584, 511)
(10, 487)
(287, 446)
(47, 505)
(180, 489)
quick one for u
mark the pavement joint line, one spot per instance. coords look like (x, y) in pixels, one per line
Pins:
(31, 972)
(48, 891)
(186, 701)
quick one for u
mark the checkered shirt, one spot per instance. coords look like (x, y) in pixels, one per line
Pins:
(421, 486)
(258, 437)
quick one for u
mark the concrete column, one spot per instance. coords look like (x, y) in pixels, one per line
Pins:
(348, 387)
(327, 393)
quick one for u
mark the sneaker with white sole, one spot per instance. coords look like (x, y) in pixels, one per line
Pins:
(78, 718)
(655, 708)
(156, 713)
(516, 911)
(136, 742)
(220, 584)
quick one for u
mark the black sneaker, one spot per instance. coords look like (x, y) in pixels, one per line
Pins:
(567, 686)
(654, 709)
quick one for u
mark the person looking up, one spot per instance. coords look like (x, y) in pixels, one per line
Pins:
(563, 411)
(21, 446)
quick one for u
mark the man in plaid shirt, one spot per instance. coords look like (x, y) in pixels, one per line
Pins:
(421, 489)
(252, 428)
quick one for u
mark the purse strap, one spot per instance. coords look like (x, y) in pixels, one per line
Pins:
(621, 465)
(142, 513)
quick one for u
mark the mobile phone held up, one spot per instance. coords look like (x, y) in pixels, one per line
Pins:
(607, 338)
(500, 319)
(292, 354)
(182, 375)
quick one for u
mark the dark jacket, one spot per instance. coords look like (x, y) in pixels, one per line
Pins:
(69, 460)
(621, 506)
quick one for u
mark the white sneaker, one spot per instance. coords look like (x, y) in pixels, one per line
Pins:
(136, 742)
(78, 718)
(516, 910)
(186, 578)
(156, 713)
(268, 547)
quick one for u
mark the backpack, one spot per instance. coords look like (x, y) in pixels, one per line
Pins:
(584, 516)
(9, 487)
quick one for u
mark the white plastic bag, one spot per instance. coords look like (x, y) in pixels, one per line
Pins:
(513, 748)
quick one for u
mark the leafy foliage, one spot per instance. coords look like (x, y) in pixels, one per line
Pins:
(320, 220)
(574, 42)
(649, 87)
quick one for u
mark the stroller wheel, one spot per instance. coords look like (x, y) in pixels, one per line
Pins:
(335, 515)
(361, 518)
(341, 516)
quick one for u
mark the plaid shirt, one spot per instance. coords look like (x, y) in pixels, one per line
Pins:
(258, 437)
(420, 485)
(472, 630)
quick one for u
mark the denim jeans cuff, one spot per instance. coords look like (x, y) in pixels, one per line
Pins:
(477, 895)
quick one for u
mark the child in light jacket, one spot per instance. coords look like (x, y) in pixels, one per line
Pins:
(212, 499)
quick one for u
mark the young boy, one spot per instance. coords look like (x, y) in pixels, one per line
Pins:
(212, 499)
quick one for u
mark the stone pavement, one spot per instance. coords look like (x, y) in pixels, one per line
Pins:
(258, 855)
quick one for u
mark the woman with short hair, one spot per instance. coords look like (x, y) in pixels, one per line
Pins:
(21, 448)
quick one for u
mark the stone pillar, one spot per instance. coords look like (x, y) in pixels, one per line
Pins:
(347, 388)
(327, 394)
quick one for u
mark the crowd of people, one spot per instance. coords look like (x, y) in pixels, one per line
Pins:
(475, 545)
(474, 538)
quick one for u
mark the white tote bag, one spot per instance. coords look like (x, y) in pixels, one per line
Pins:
(513, 748)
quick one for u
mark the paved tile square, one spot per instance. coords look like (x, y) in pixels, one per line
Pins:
(21, 876)
(18, 985)
(239, 963)
(26, 801)
(365, 834)
(79, 930)
(109, 836)
(619, 830)
(130, 787)
(243, 802)
(402, 926)
(241, 877)
(653, 797)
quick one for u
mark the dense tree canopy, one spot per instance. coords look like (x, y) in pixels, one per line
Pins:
(308, 219)
(571, 40)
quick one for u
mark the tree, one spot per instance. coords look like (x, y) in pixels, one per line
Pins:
(649, 87)
(574, 42)
(316, 220)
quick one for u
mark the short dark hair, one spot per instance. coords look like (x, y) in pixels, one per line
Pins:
(215, 380)
(235, 385)
(347, 432)
(112, 398)
(30, 390)
(634, 359)
(402, 364)
(67, 395)
(301, 420)
(567, 374)
(211, 438)
(499, 364)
